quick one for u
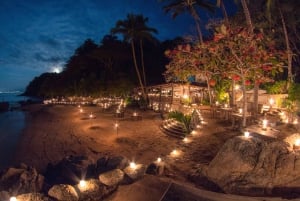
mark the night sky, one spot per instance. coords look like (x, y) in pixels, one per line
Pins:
(38, 36)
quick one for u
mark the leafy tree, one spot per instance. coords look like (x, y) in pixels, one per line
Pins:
(246, 57)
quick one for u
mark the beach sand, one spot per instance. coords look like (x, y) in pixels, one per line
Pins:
(53, 132)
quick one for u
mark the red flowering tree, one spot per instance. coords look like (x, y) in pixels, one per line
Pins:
(190, 60)
(246, 58)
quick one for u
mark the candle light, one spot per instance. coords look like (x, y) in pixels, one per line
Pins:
(132, 165)
(297, 142)
(271, 101)
(264, 124)
(82, 183)
(174, 153)
(13, 199)
(240, 110)
(246, 134)
(158, 160)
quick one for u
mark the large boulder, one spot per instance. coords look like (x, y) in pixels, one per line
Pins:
(111, 178)
(63, 192)
(22, 179)
(252, 166)
(105, 164)
(93, 190)
(67, 169)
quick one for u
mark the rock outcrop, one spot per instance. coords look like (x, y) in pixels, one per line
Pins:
(63, 180)
(22, 179)
(252, 166)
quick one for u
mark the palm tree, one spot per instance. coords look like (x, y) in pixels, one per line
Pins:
(247, 15)
(220, 4)
(179, 6)
(134, 28)
(144, 32)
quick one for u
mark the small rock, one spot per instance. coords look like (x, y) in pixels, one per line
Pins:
(94, 190)
(156, 168)
(112, 177)
(135, 173)
(63, 192)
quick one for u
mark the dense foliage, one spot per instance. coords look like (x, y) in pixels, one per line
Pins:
(100, 70)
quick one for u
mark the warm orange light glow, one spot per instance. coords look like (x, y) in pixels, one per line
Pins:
(271, 101)
(185, 140)
(132, 165)
(264, 124)
(194, 132)
(297, 142)
(82, 183)
(174, 153)
(246, 134)
(185, 96)
(13, 199)
(158, 159)
(295, 121)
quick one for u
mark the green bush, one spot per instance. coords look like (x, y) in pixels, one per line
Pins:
(184, 119)
(278, 87)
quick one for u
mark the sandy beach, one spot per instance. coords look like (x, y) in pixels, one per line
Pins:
(53, 132)
(56, 131)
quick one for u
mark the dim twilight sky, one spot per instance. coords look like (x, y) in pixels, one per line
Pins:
(37, 36)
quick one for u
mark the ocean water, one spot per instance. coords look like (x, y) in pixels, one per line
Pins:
(11, 124)
(13, 97)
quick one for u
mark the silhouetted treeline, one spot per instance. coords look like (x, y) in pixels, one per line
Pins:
(104, 69)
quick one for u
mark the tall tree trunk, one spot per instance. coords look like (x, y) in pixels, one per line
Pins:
(143, 63)
(199, 31)
(288, 49)
(137, 70)
(244, 103)
(255, 99)
(232, 101)
(224, 12)
(247, 15)
(209, 91)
